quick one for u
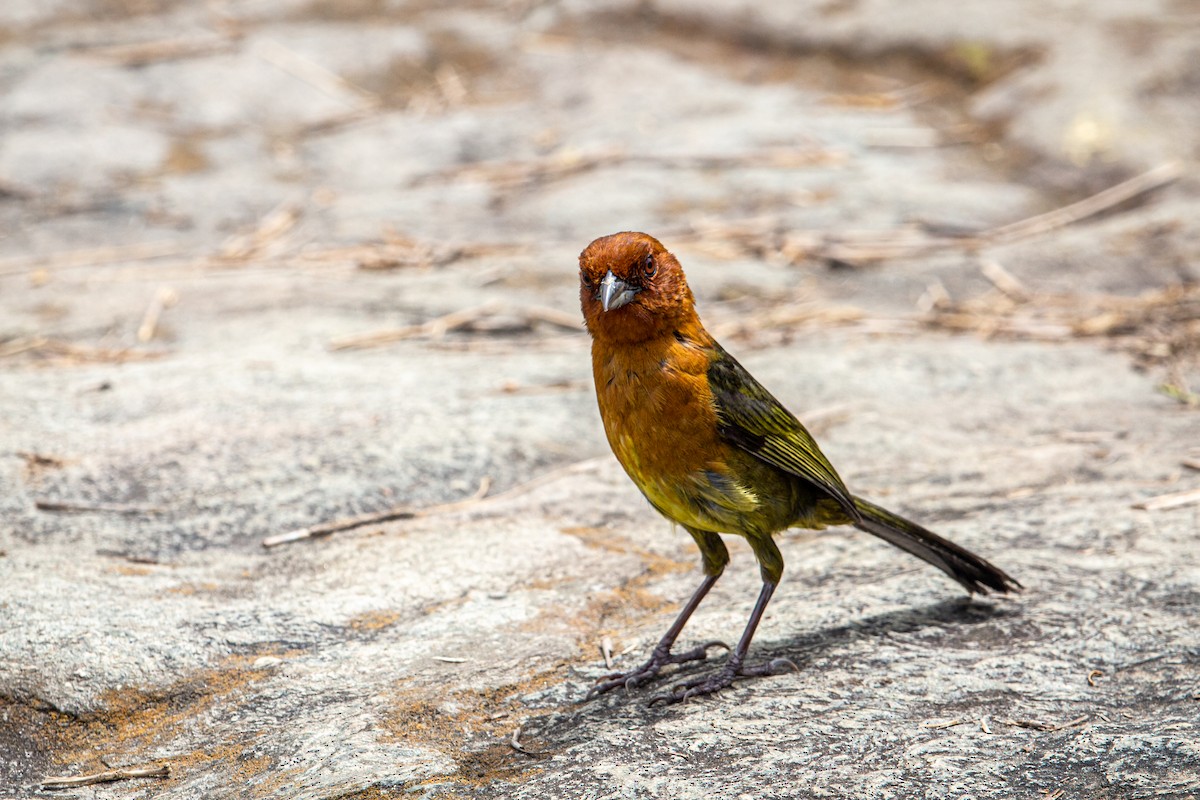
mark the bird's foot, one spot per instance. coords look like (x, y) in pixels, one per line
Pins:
(715, 682)
(648, 671)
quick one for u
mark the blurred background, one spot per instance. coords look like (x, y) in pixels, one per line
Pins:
(150, 150)
(266, 264)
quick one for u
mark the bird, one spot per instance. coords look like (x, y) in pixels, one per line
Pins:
(714, 452)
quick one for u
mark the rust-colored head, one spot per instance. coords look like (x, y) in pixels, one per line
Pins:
(631, 288)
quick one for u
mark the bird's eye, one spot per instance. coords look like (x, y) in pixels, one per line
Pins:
(648, 265)
(587, 280)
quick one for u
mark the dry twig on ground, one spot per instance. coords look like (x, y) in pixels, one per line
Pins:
(1157, 326)
(270, 229)
(408, 512)
(1172, 500)
(489, 318)
(84, 506)
(376, 517)
(767, 238)
(55, 352)
(126, 773)
(163, 299)
(314, 74)
(89, 257)
(139, 54)
(566, 163)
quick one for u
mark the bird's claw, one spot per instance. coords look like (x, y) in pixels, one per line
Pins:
(777, 665)
(713, 683)
(648, 671)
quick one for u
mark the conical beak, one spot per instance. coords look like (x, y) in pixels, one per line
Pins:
(615, 292)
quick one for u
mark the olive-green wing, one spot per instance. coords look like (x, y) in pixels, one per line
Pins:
(749, 418)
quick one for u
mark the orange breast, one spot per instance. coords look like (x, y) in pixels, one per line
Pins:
(662, 426)
(657, 408)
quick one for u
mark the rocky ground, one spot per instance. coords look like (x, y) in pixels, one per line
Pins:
(270, 265)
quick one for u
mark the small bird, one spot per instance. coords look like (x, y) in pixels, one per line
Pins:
(713, 451)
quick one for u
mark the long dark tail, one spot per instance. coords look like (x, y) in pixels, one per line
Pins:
(973, 572)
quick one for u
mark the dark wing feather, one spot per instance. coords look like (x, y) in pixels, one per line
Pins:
(749, 418)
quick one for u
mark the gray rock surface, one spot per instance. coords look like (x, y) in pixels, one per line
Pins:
(201, 204)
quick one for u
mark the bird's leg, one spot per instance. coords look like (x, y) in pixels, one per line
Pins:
(662, 654)
(770, 564)
(735, 667)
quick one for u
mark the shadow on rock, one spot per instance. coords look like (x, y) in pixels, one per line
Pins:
(947, 623)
